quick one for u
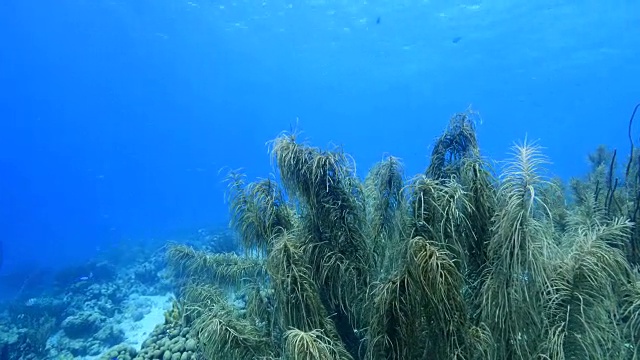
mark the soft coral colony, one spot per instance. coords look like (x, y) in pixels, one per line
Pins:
(459, 262)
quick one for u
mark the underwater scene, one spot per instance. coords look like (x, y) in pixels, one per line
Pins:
(319, 180)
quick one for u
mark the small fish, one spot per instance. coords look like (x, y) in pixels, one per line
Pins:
(456, 39)
(378, 20)
(85, 278)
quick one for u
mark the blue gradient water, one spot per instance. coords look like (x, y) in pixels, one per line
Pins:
(116, 116)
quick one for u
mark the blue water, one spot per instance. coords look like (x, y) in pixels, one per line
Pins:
(116, 116)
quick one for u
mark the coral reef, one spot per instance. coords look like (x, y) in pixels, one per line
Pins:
(166, 342)
(462, 261)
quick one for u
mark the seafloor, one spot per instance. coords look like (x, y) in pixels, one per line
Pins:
(116, 306)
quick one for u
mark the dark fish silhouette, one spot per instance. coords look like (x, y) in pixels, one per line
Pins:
(456, 39)
(378, 20)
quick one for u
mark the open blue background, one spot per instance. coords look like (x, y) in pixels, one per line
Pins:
(116, 116)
